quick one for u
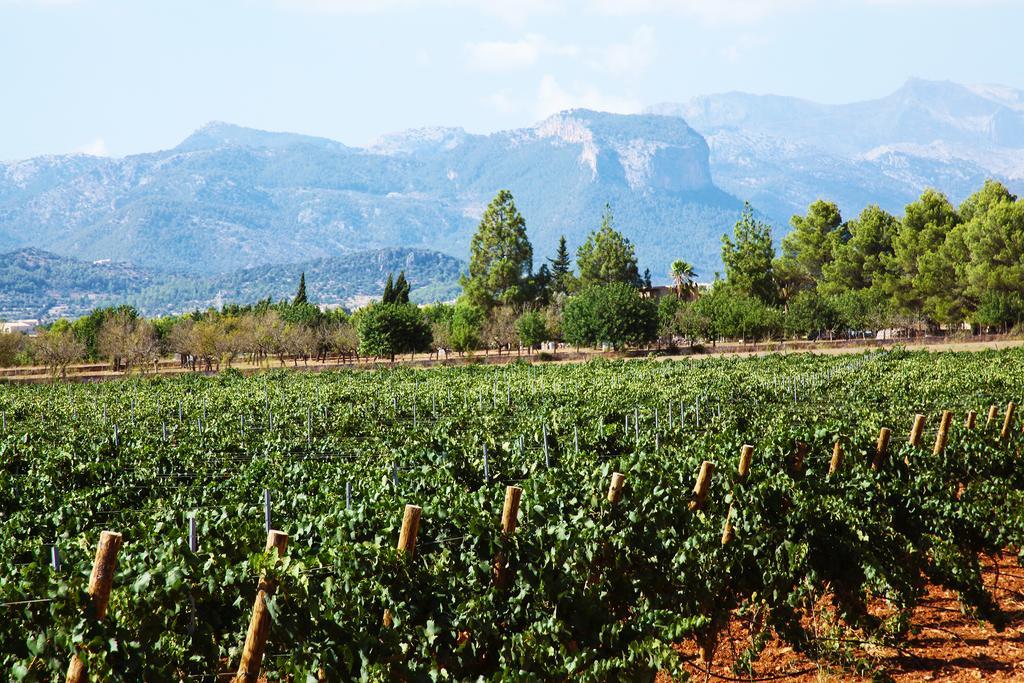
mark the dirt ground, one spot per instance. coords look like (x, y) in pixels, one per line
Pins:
(944, 645)
(167, 367)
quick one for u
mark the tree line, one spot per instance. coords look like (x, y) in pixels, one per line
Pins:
(939, 267)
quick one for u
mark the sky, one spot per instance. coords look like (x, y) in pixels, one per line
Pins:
(118, 77)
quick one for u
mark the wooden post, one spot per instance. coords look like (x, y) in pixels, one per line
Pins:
(797, 465)
(880, 448)
(943, 436)
(916, 431)
(615, 490)
(746, 453)
(1008, 421)
(510, 513)
(700, 489)
(406, 542)
(100, 582)
(972, 419)
(837, 458)
(259, 623)
(509, 519)
(993, 411)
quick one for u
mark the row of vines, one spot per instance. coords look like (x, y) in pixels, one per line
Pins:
(194, 471)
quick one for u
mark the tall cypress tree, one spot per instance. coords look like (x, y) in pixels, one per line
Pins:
(389, 291)
(300, 296)
(401, 289)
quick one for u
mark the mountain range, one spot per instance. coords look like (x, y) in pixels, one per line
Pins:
(781, 153)
(230, 199)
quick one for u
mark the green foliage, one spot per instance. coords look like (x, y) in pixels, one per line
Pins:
(300, 296)
(396, 291)
(562, 280)
(607, 257)
(809, 248)
(531, 329)
(612, 314)
(595, 591)
(748, 257)
(389, 329)
(500, 257)
(809, 312)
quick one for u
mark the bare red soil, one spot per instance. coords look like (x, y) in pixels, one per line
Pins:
(944, 644)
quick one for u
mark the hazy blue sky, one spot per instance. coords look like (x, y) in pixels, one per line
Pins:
(125, 76)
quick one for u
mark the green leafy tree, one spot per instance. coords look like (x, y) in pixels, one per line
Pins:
(466, 327)
(531, 329)
(500, 259)
(923, 272)
(809, 247)
(607, 256)
(614, 314)
(865, 260)
(562, 280)
(811, 313)
(300, 296)
(994, 238)
(748, 258)
(389, 329)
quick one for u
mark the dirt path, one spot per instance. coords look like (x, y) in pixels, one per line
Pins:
(167, 367)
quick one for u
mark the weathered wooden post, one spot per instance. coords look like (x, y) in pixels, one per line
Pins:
(259, 623)
(993, 411)
(700, 489)
(916, 431)
(943, 436)
(509, 519)
(1008, 421)
(972, 419)
(615, 490)
(100, 582)
(406, 542)
(880, 448)
(837, 458)
(797, 464)
(743, 470)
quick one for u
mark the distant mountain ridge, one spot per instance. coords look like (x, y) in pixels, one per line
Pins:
(36, 284)
(229, 197)
(781, 153)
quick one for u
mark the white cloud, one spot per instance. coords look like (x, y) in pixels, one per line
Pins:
(96, 148)
(553, 98)
(510, 11)
(632, 56)
(504, 102)
(735, 51)
(503, 56)
(709, 11)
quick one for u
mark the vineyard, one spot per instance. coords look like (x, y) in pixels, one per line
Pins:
(525, 522)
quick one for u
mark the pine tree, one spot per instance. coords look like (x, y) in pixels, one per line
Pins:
(401, 289)
(561, 268)
(389, 291)
(300, 296)
(607, 256)
(500, 257)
